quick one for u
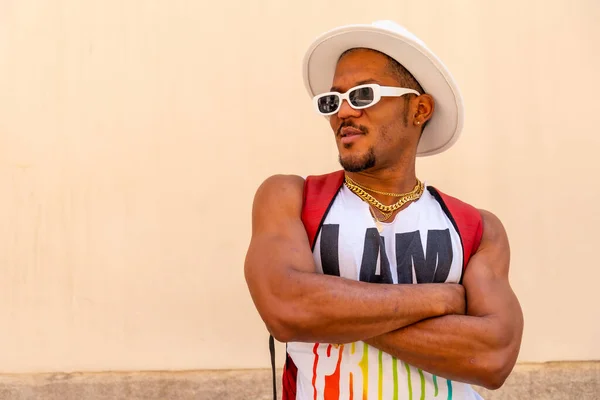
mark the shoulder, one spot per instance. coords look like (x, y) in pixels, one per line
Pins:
(494, 232)
(280, 188)
(279, 182)
(277, 201)
(293, 187)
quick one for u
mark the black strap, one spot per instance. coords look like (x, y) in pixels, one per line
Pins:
(272, 351)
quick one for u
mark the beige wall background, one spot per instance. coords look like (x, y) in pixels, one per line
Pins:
(133, 135)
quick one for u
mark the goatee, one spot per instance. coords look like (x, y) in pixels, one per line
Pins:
(358, 164)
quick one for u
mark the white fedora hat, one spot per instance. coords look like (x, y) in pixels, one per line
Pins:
(392, 39)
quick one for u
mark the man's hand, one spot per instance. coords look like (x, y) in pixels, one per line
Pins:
(481, 347)
(299, 304)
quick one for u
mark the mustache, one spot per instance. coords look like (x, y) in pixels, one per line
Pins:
(350, 124)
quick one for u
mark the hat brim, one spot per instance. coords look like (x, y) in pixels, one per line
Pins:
(445, 126)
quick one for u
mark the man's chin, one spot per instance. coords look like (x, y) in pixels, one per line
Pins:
(357, 163)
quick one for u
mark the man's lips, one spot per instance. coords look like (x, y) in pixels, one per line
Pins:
(349, 134)
(350, 131)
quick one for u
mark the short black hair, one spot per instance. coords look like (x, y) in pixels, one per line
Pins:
(404, 77)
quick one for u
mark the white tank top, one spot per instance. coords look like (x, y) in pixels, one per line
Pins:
(421, 245)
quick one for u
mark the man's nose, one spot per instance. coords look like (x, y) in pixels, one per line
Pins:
(346, 111)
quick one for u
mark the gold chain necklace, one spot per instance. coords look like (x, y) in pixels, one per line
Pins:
(377, 191)
(387, 211)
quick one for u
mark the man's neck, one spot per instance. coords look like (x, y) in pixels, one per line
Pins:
(393, 180)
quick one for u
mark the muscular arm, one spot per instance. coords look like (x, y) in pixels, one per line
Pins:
(481, 347)
(298, 304)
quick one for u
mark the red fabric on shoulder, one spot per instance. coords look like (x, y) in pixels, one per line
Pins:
(467, 221)
(319, 192)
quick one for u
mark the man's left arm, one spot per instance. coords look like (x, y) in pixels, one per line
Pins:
(482, 346)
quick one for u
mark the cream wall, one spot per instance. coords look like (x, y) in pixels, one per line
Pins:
(133, 135)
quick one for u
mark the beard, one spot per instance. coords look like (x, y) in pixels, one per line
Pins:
(356, 163)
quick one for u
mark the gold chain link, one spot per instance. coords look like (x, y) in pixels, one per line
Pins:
(377, 191)
(387, 211)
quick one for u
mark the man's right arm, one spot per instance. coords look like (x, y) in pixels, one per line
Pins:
(298, 304)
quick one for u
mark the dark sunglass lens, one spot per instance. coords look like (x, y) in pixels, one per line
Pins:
(362, 97)
(328, 104)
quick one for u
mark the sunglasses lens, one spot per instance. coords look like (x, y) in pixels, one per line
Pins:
(362, 97)
(328, 104)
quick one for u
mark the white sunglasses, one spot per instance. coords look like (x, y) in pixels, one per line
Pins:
(358, 97)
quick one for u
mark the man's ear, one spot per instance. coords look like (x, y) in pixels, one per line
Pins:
(424, 109)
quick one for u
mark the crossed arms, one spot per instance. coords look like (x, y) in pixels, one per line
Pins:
(469, 333)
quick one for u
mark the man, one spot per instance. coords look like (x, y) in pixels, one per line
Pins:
(332, 274)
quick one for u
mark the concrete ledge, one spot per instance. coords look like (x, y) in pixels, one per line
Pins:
(551, 381)
(555, 381)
